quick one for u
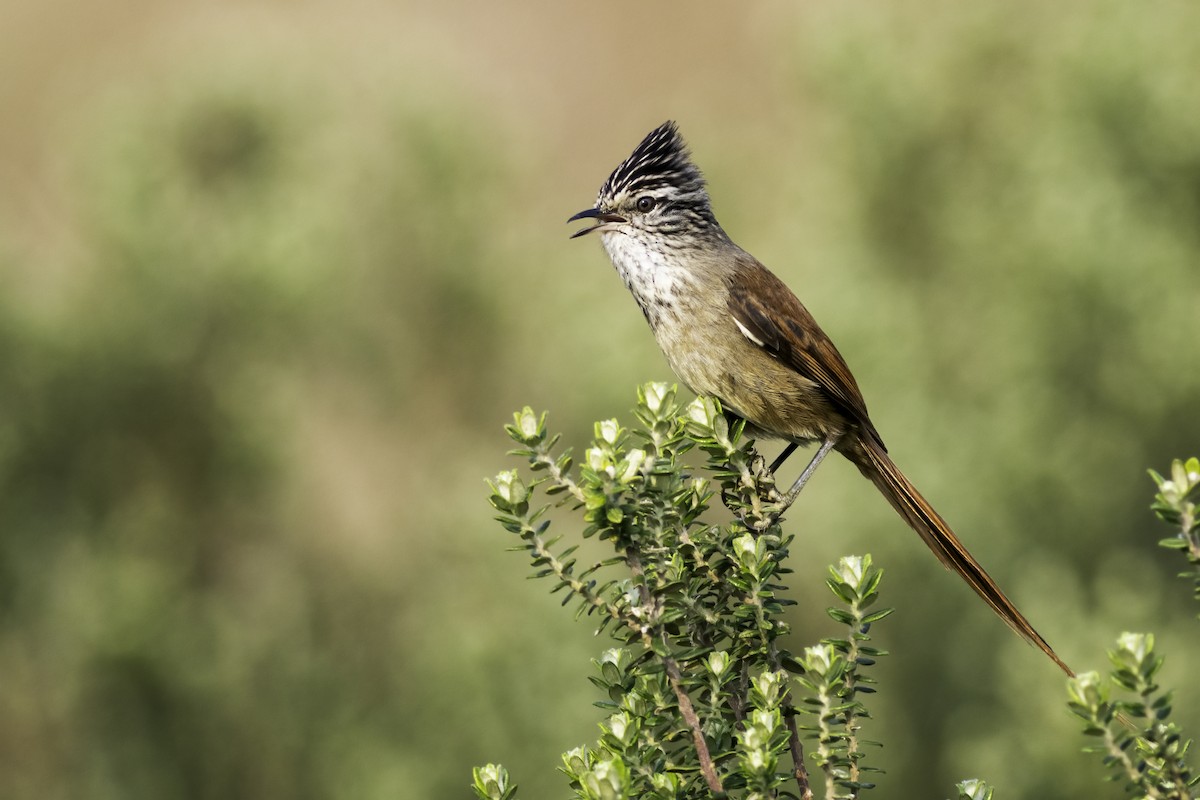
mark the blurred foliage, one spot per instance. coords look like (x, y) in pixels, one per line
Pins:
(249, 377)
(174, 622)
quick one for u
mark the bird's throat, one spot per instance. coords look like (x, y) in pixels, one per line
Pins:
(655, 276)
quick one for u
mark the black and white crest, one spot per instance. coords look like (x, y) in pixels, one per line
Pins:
(662, 160)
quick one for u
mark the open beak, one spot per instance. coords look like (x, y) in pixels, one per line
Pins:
(603, 219)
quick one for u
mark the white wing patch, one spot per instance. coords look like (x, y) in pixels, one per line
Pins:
(746, 332)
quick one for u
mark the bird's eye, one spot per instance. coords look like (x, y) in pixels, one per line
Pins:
(646, 203)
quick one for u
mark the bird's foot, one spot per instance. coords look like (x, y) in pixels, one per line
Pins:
(754, 498)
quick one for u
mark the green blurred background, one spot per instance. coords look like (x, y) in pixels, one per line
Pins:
(273, 275)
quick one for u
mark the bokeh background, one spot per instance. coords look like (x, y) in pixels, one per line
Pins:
(273, 275)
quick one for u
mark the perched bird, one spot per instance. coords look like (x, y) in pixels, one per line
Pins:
(731, 329)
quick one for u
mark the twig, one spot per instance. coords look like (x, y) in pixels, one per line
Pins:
(559, 476)
(799, 771)
(675, 676)
(689, 716)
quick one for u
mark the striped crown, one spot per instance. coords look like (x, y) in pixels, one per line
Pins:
(660, 165)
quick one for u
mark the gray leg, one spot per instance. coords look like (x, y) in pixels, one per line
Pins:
(817, 458)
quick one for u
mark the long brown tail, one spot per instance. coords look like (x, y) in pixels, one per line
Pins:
(874, 462)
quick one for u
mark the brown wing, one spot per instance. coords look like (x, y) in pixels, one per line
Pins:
(779, 323)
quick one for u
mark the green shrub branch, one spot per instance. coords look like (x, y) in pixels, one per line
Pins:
(702, 695)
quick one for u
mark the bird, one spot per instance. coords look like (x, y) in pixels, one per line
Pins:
(731, 329)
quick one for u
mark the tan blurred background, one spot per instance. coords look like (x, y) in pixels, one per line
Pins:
(273, 275)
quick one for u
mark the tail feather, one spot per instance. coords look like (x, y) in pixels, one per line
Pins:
(874, 462)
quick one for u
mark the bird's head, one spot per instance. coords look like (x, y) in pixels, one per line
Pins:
(657, 193)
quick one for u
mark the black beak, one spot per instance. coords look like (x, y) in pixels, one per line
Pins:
(601, 218)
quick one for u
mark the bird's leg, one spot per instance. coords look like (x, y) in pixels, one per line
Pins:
(787, 451)
(817, 458)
